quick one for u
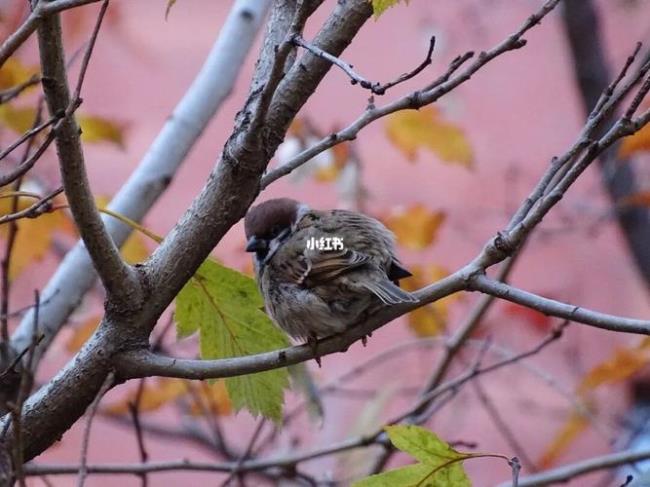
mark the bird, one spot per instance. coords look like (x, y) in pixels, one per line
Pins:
(322, 271)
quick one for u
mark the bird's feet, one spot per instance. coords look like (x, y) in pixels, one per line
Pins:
(312, 341)
(364, 339)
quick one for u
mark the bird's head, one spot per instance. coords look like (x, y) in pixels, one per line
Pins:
(269, 224)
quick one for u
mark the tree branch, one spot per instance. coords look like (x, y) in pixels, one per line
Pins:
(552, 307)
(118, 279)
(42, 10)
(156, 170)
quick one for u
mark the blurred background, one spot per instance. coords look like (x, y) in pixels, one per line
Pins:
(444, 195)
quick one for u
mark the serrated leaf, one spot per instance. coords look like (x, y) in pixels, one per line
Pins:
(411, 130)
(637, 142)
(440, 465)
(415, 227)
(96, 129)
(380, 6)
(422, 444)
(409, 476)
(225, 307)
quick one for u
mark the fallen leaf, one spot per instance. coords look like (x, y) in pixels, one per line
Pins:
(411, 130)
(415, 227)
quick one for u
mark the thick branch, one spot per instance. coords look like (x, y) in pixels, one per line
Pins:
(156, 170)
(118, 279)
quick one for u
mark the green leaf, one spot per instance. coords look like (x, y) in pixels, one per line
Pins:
(441, 465)
(225, 306)
(409, 476)
(380, 6)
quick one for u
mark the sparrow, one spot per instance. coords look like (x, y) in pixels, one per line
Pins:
(321, 272)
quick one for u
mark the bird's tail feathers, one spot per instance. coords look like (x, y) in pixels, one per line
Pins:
(390, 293)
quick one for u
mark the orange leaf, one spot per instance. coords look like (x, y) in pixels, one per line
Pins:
(571, 429)
(416, 227)
(637, 199)
(411, 130)
(165, 390)
(430, 320)
(623, 364)
(34, 235)
(637, 142)
(82, 334)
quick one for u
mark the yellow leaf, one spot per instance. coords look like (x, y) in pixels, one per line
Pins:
(18, 119)
(411, 130)
(623, 363)
(637, 142)
(430, 320)
(82, 334)
(213, 398)
(380, 6)
(571, 429)
(98, 129)
(13, 73)
(33, 239)
(416, 227)
(340, 157)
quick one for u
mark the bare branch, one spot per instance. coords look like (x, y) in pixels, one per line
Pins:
(376, 88)
(43, 205)
(43, 9)
(416, 99)
(567, 472)
(118, 279)
(556, 308)
(156, 170)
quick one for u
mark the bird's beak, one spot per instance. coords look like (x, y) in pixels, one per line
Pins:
(254, 244)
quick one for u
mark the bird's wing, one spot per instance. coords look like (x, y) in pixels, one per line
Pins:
(322, 267)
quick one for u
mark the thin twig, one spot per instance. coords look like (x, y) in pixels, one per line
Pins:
(83, 470)
(376, 88)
